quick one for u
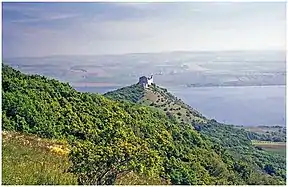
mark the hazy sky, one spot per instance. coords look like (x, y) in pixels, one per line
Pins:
(40, 29)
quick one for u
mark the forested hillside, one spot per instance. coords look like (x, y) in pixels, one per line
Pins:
(236, 141)
(110, 139)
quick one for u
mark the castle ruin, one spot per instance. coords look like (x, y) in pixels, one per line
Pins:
(146, 81)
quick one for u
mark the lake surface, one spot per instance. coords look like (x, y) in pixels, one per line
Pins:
(248, 105)
(100, 90)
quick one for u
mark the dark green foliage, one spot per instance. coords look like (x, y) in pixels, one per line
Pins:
(238, 144)
(131, 93)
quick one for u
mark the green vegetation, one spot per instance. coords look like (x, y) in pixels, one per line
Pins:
(31, 160)
(111, 142)
(136, 179)
(238, 144)
(131, 93)
(268, 138)
(235, 142)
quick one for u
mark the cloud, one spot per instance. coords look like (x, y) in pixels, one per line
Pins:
(115, 28)
(46, 18)
(23, 13)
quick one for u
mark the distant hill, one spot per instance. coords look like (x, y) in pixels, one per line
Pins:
(191, 68)
(116, 142)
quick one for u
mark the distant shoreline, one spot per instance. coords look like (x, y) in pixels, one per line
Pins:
(119, 86)
(209, 86)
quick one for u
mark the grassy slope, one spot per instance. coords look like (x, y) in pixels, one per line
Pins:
(163, 100)
(29, 160)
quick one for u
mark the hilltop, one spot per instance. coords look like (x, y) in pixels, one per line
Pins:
(159, 98)
(109, 140)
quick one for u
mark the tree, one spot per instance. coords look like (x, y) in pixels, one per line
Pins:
(269, 169)
(101, 164)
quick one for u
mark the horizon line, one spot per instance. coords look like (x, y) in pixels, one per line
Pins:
(141, 53)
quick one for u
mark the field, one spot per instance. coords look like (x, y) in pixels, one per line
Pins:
(267, 129)
(267, 133)
(29, 160)
(275, 147)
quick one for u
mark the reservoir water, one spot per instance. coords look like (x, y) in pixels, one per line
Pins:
(247, 105)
